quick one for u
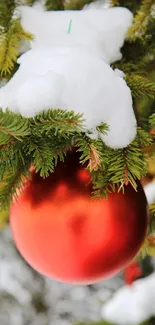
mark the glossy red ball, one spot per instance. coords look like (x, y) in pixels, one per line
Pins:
(65, 234)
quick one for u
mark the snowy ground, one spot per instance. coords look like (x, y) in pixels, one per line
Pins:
(26, 298)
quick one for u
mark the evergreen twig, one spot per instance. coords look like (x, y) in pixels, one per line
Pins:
(76, 4)
(54, 4)
(11, 34)
(152, 120)
(13, 183)
(12, 126)
(114, 3)
(141, 21)
(140, 86)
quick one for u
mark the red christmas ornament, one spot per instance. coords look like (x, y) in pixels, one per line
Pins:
(65, 234)
(132, 273)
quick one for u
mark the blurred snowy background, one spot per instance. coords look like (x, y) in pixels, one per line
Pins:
(26, 298)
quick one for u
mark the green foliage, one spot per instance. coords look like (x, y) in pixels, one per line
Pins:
(141, 21)
(102, 128)
(139, 48)
(148, 248)
(123, 166)
(7, 8)
(140, 86)
(54, 5)
(4, 218)
(114, 3)
(152, 208)
(30, 2)
(76, 4)
(45, 154)
(131, 5)
(40, 141)
(11, 34)
(152, 120)
(12, 183)
(92, 152)
(43, 140)
(59, 121)
(12, 127)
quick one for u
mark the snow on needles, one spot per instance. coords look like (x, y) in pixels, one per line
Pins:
(68, 67)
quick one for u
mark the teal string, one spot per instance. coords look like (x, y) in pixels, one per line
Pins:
(70, 25)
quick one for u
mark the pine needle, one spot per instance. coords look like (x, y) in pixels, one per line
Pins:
(76, 4)
(12, 185)
(12, 126)
(114, 3)
(9, 46)
(152, 120)
(54, 5)
(141, 21)
(140, 86)
(94, 160)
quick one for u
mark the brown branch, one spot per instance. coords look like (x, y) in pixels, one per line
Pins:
(94, 160)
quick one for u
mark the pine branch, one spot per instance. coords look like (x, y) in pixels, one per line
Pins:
(10, 155)
(45, 151)
(95, 158)
(152, 120)
(54, 5)
(148, 247)
(152, 210)
(41, 155)
(130, 4)
(42, 140)
(12, 126)
(102, 185)
(7, 8)
(76, 4)
(127, 165)
(138, 57)
(83, 143)
(122, 169)
(44, 154)
(4, 218)
(9, 46)
(144, 138)
(141, 21)
(7, 158)
(114, 3)
(59, 121)
(102, 128)
(93, 154)
(13, 182)
(30, 2)
(140, 86)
